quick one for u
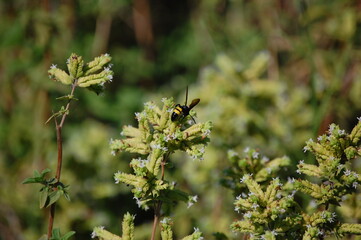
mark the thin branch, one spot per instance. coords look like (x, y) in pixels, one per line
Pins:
(158, 204)
(157, 207)
(59, 141)
(68, 105)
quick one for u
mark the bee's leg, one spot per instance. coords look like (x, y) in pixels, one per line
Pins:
(193, 119)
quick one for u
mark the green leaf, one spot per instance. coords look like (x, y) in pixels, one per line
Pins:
(45, 171)
(38, 177)
(66, 195)
(43, 196)
(51, 181)
(53, 197)
(56, 235)
(30, 180)
(68, 235)
(36, 174)
(67, 97)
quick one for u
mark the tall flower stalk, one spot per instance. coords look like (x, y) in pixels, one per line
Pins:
(93, 76)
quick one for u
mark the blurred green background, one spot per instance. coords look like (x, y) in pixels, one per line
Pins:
(270, 75)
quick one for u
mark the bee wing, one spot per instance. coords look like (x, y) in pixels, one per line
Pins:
(193, 103)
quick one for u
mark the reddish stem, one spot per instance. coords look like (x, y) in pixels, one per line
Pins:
(59, 141)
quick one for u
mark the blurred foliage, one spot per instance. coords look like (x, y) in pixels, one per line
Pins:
(309, 77)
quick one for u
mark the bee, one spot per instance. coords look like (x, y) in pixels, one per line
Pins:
(182, 111)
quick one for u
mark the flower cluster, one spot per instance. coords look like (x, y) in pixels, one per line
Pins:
(333, 152)
(268, 213)
(92, 75)
(261, 167)
(155, 138)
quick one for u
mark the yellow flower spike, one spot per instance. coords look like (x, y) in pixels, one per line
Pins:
(254, 187)
(193, 131)
(97, 64)
(137, 182)
(243, 226)
(166, 230)
(349, 228)
(60, 75)
(128, 227)
(309, 188)
(94, 79)
(355, 134)
(75, 65)
(271, 191)
(243, 203)
(103, 234)
(130, 131)
(310, 169)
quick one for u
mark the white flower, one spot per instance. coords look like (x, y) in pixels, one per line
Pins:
(291, 180)
(301, 162)
(192, 200)
(165, 220)
(116, 178)
(206, 133)
(166, 138)
(139, 203)
(341, 132)
(137, 115)
(248, 215)
(265, 159)
(53, 66)
(347, 172)
(94, 234)
(255, 205)
(255, 155)
(331, 128)
(202, 149)
(232, 153)
(306, 148)
(236, 209)
(251, 194)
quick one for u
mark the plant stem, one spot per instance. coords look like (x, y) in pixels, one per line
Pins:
(158, 204)
(157, 208)
(59, 142)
